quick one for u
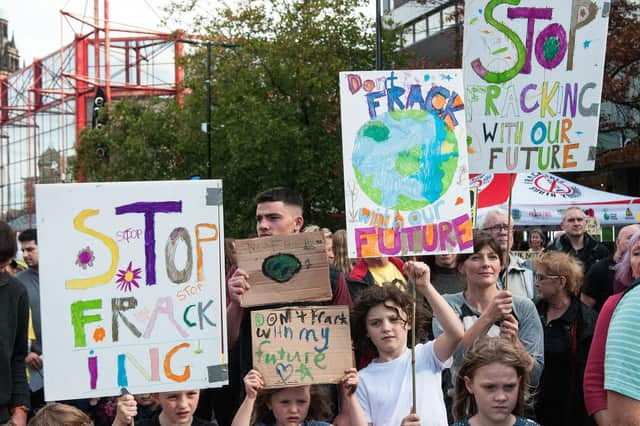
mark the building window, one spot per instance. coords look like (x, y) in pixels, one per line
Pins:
(449, 17)
(435, 23)
(407, 36)
(420, 28)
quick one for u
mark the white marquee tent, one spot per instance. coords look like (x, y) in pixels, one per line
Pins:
(538, 199)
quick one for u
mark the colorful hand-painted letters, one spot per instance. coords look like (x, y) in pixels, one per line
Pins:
(132, 287)
(533, 79)
(405, 162)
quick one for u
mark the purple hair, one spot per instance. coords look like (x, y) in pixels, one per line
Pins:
(624, 275)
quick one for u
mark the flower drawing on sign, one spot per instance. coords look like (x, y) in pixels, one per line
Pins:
(85, 258)
(127, 278)
(99, 334)
(281, 267)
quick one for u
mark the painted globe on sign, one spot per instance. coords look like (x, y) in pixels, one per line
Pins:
(405, 160)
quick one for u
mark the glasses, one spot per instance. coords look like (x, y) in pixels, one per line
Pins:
(498, 228)
(542, 277)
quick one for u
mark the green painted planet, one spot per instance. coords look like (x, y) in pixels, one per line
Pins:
(405, 160)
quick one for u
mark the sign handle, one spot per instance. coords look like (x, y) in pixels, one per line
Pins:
(506, 275)
(413, 344)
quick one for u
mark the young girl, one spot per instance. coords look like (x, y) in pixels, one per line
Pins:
(381, 321)
(60, 414)
(492, 384)
(292, 406)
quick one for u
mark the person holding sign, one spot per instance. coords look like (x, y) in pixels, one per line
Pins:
(177, 408)
(278, 212)
(484, 309)
(492, 387)
(381, 320)
(295, 405)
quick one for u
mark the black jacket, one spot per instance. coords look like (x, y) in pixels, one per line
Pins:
(590, 253)
(14, 320)
(567, 340)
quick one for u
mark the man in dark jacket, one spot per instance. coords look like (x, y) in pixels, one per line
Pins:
(279, 211)
(599, 280)
(14, 318)
(575, 240)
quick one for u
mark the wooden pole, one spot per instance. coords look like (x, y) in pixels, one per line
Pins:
(510, 232)
(413, 344)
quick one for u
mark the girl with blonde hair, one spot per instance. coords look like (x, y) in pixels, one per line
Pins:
(492, 385)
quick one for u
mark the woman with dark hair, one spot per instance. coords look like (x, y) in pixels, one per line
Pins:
(568, 329)
(537, 240)
(483, 309)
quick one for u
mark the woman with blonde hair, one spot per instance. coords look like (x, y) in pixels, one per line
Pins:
(492, 385)
(341, 253)
(60, 414)
(568, 329)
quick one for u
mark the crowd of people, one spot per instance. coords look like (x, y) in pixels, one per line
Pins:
(500, 340)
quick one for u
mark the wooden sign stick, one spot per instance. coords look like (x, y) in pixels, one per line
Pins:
(509, 242)
(413, 344)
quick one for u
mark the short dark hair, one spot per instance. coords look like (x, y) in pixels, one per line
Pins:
(280, 193)
(480, 240)
(8, 245)
(28, 235)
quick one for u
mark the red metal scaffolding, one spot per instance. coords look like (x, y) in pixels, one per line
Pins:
(44, 106)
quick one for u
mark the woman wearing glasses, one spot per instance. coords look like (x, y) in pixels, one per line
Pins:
(568, 329)
(483, 309)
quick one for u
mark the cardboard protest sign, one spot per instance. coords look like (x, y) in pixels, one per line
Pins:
(405, 163)
(533, 80)
(132, 288)
(296, 346)
(285, 269)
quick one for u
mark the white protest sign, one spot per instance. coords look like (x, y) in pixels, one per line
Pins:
(533, 80)
(132, 287)
(405, 162)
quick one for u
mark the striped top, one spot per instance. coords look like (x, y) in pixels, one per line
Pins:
(622, 359)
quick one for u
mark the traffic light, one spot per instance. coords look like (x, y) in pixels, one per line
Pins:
(99, 102)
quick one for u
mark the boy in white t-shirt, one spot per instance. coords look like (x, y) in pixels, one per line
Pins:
(381, 321)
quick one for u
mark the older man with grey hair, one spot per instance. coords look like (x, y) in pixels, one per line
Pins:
(520, 279)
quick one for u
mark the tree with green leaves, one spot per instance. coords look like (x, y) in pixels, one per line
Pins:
(275, 103)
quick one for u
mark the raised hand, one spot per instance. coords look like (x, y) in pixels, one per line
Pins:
(253, 383)
(418, 272)
(349, 382)
(238, 285)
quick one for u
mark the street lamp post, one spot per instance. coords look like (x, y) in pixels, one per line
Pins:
(378, 36)
(209, 172)
(208, 43)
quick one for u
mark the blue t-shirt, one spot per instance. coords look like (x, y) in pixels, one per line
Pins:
(520, 421)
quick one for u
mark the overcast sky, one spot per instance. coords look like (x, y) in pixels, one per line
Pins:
(40, 29)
